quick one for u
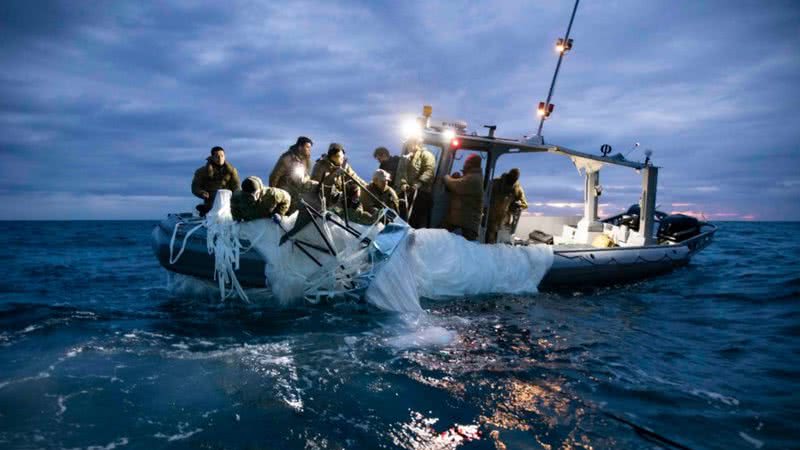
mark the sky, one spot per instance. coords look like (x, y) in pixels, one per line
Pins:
(107, 108)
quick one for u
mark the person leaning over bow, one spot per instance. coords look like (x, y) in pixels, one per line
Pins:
(291, 171)
(255, 201)
(416, 182)
(216, 174)
(466, 199)
(381, 192)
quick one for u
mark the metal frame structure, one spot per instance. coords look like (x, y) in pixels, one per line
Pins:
(497, 147)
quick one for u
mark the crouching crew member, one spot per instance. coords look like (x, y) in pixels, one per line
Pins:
(466, 199)
(508, 198)
(255, 201)
(216, 174)
(381, 193)
(355, 210)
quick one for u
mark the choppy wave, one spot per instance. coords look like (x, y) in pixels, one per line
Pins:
(702, 357)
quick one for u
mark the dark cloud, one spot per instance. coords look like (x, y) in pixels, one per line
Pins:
(115, 104)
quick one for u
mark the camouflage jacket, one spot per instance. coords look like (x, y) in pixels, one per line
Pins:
(331, 181)
(270, 201)
(417, 170)
(388, 196)
(357, 214)
(504, 198)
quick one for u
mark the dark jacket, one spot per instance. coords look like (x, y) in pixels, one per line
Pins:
(283, 176)
(210, 178)
(391, 165)
(466, 200)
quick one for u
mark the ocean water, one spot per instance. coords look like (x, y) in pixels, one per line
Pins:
(97, 352)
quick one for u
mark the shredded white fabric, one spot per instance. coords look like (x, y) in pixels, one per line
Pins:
(429, 263)
(437, 264)
(222, 239)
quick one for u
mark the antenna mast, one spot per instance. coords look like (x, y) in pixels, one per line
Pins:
(563, 45)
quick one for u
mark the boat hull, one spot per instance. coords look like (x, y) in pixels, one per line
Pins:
(572, 268)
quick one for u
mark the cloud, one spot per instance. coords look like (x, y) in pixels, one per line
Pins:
(107, 102)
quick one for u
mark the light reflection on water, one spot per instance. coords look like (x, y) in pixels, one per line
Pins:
(95, 352)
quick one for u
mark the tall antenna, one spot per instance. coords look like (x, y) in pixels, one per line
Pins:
(563, 45)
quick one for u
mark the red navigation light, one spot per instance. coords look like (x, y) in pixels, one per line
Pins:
(455, 143)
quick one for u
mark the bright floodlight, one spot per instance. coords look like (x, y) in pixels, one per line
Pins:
(411, 129)
(299, 172)
(448, 135)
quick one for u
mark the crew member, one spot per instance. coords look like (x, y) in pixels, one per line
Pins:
(332, 172)
(466, 199)
(381, 193)
(291, 172)
(387, 161)
(508, 199)
(355, 210)
(255, 201)
(216, 174)
(416, 182)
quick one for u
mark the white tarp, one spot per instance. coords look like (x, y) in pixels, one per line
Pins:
(437, 264)
(429, 263)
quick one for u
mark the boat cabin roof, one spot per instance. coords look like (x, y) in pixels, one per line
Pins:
(498, 146)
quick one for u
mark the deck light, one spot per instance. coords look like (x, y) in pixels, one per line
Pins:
(448, 135)
(563, 46)
(299, 172)
(427, 110)
(411, 129)
(545, 110)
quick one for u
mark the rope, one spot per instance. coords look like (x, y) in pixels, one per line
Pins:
(183, 245)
